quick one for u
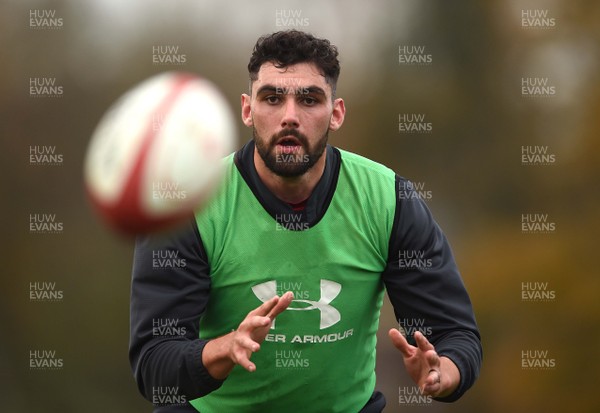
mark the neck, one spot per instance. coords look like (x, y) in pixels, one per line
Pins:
(292, 190)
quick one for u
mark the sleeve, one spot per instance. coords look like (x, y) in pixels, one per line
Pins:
(169, 292)
(426, 289)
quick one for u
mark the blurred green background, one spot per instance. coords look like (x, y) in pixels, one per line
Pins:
(469, 92)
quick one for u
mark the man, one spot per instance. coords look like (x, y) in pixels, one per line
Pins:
(276, 302)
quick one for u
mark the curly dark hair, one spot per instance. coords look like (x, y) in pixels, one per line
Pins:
(289, 47)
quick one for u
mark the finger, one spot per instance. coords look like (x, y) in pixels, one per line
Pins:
(434, 377)
(283, 303)
(265, 307)
(240, 356)
(432, 384)
(252, 322)
(247, 343)
(422, 342)
(433, 359)
(258, 321)
(243, 348)
(400, 343)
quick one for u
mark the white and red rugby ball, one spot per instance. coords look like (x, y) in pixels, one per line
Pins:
(156, 154)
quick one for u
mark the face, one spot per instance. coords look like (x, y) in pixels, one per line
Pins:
(291, 112)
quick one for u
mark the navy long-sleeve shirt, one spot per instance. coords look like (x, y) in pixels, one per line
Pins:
(171, 287)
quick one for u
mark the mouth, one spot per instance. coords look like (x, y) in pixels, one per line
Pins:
(288, 141)
(288, 145)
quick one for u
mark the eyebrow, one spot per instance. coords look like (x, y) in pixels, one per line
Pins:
(273, 89)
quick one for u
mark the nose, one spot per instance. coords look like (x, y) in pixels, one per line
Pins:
(290, 115)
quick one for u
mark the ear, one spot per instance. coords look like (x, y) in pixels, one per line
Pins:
(246, 110)
(337, 115)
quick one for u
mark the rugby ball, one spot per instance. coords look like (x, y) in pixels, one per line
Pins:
(156, 155)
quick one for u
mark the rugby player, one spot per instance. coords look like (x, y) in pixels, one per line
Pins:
(273, 301)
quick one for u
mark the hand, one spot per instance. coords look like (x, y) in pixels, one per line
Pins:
(436, 376)
(222, 354)
(254, 328)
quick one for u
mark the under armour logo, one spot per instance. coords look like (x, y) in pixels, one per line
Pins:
(329, 290)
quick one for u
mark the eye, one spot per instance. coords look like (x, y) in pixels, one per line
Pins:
(272, 99)
(309, 100)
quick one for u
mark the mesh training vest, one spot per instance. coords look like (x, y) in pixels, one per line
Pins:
(320, 353)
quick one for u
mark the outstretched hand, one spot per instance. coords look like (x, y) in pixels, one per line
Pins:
(254, 328)
(436, 376)
(220, 355)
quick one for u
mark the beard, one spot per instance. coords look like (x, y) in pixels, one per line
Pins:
(289, 161)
